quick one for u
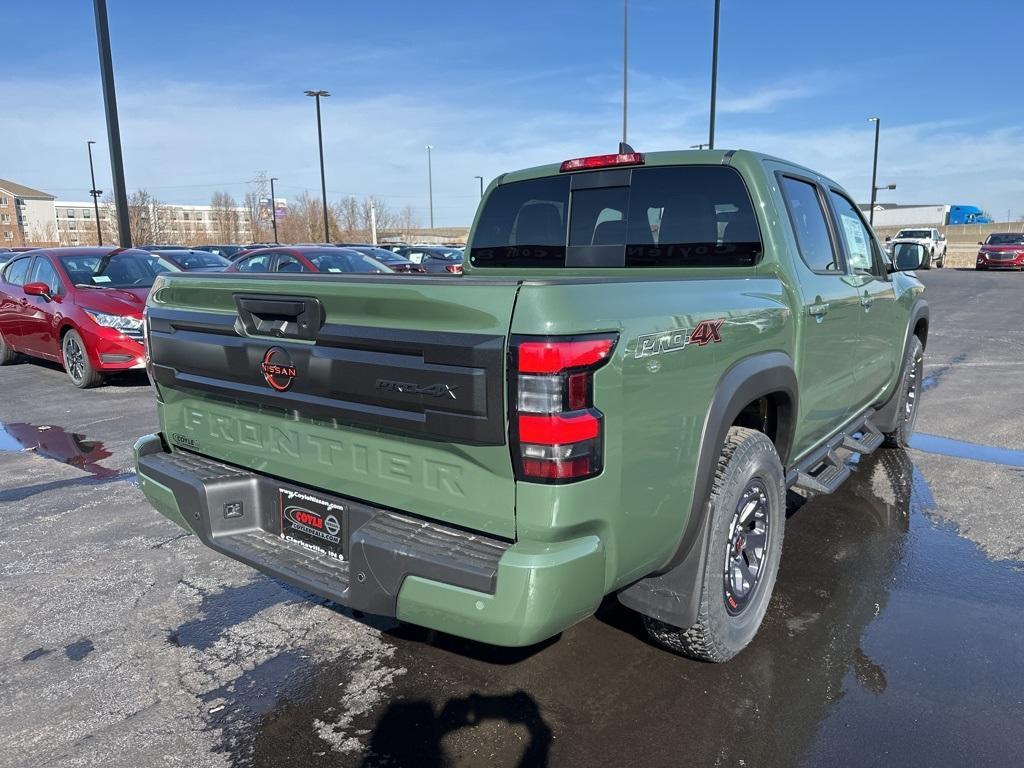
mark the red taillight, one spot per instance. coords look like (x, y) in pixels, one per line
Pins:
(557, 434)
(602, 161)
(455, 269)
(555, 356)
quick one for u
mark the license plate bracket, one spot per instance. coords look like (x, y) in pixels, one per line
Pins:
(312, 521)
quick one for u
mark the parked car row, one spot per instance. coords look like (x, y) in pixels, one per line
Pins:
(83, 307)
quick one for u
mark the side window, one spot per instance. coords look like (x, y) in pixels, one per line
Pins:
(259, 263)
(43, 272)
(856, 238)
(810, 226)
(287, 263)
(17, 271)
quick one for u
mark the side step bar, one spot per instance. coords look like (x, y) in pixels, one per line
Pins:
(823, 471)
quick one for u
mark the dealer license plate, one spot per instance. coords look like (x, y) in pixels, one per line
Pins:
(312, 522)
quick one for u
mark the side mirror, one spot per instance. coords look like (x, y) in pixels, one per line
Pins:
(980, 243)
(38, 289)
(888, 238)
(908, 256)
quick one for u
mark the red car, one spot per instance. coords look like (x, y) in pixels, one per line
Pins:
(81, 307)
(307, 258)
(1001, 250)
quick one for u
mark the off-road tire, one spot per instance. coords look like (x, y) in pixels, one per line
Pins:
(77, 365)
(747, 457)
(942, 261)
(7, 355)
(909, 395)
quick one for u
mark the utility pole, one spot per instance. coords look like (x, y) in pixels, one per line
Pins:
(481, 186)
(124, 230)
(273, 209)
(320, 140)
(625, 68)
(714, 76)
(95, 194)
(373, 223)
(430, 183)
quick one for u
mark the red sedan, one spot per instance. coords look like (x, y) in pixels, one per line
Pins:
(307, 258)
(81, 307)
(1001, 250)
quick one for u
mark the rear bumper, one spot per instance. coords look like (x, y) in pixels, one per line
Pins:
(467, 584)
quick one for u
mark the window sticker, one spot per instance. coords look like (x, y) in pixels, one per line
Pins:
(100, 279)
(856, 243)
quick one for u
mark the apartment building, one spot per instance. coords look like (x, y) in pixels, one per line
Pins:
(165, 223)
(26, 216)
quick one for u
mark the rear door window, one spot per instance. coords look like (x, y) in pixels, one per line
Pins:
(673, 216)
(259, 263)
(17, 271)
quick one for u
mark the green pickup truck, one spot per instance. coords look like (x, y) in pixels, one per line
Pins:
(645, 352)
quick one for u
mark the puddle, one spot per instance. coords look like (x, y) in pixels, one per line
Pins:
(55, 443)
(959, 449)
(889, 638)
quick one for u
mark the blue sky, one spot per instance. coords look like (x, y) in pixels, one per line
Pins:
(211, 92)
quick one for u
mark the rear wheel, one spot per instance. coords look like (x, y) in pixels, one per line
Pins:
(7, 355)
(928, 260)
(942, 261)
(909, 394)
(748, 515)
(76, 362)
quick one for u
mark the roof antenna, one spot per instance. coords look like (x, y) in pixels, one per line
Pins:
(623, 146)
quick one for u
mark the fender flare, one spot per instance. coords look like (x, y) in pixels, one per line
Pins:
(885, 416)
(672, 593)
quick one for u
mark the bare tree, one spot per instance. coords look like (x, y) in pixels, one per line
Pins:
(226, 217)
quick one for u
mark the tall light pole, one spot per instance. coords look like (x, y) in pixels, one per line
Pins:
(95, 194)
(714, 76)
(874, 171)
(124, 230)
(273, 208)
(625, 68)
(430, 183)
(320, 140)
(481, 186)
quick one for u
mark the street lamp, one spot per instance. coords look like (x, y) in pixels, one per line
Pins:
(124, 230)
(481, 186)
(95, 194)
(714, 77)
(320, 140)
(430, 183)
(273, 208)
(874, 171)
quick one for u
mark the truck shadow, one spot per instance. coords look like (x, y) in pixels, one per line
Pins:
(412, 733)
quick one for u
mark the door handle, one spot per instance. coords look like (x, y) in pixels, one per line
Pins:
(818, 310)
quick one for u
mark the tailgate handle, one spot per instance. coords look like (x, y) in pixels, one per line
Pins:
(284, 318)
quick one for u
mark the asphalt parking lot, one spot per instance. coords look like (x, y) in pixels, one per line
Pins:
(896, 634)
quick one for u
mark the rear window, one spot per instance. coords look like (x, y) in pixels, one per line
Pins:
(691, 216)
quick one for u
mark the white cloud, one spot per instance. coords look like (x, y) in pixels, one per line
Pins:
(185, 140)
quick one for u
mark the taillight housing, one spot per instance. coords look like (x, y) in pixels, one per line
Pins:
(455, 269)
(556, 433)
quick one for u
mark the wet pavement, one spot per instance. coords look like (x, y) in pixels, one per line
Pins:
(895, 636)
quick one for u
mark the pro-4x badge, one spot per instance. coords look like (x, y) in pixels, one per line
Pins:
(705, 332)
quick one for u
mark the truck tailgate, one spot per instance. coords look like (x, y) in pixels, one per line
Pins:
(385, 389)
